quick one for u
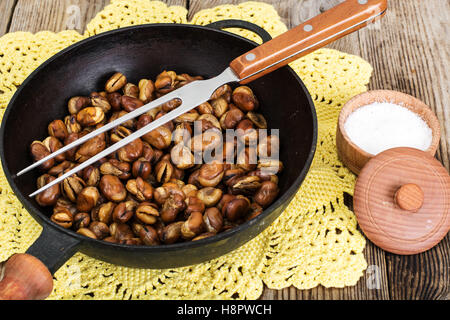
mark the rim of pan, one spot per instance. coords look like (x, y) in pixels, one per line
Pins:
(44, 219)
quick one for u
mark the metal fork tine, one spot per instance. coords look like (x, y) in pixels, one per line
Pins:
(104, 128)
(149, 127)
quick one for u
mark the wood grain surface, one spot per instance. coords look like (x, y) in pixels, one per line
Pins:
(409, 50)
(24, 277)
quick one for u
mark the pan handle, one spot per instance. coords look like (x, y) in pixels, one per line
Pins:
(234, 23)
(53, 248)
(26, 276)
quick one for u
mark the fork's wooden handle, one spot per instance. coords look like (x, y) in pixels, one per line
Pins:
(24, 277)
(335, 23)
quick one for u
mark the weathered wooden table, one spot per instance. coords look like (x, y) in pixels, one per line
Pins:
(409, 51)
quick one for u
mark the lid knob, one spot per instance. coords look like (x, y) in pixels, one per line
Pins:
(409, 197)
(387, 219)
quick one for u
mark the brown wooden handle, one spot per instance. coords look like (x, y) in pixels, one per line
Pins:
(24, 277)
(335, 23)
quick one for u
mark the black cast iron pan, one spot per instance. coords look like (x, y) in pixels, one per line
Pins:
(143, 52)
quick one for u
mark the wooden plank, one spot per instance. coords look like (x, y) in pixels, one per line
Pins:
(409, 52)
(292, 13)
(420, 277)
(181, 3)
(297, 12)
(6, 10)
(54, 15)
(58, 15)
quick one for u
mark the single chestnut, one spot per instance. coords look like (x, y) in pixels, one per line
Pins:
(87, 233)
(87, 199)
(213, 220)
(130, 103)
(147, 212)
(182, 156)
(91, 175)
(266, 193)
(62, 216)
(90, 148)
(72, 125)
(172, 232)
(193, 226)
(112, 188)
(116, 82)
(170, 105)
(194, 204)
(172, 207)
(121, 231)
(258, 120)
(141, 168)
(159, 138)
(131, 90)
(146, 89)
(53, 144)
(100, 102)
(244, 99)
(166, 81)
(39, 151)
(132, 151)
(100, 229)
(58, 129)
(149, 235)
(210, 196)
(124, 211)
(163, 171)
(90, 116)
(211, 174)
(116, 168)
(247, 185)
(103, 212)
(81, 220)
(72, 186)
(141, 189)
(236, 209)
(77, 103)
(223, 91)
(219, 106)
(115, 100)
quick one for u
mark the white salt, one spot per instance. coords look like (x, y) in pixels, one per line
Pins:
(380, 126)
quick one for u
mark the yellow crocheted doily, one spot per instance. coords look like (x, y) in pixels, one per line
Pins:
(314, 242)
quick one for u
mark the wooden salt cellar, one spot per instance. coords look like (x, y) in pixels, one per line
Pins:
(24, 277)
(353, 156)
(402, 200)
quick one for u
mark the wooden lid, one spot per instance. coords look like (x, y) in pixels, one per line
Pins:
(402, 200)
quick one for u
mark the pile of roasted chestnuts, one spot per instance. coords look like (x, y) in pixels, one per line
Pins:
(160, 189)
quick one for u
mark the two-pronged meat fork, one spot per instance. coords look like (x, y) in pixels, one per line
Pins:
(341, 20)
